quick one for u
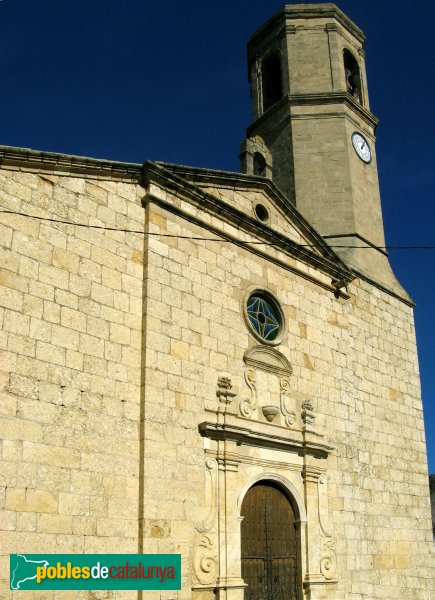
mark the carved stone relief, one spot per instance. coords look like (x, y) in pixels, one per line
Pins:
(328, 557)
(275, 365)
(308, 415)
(249, 405)
(286, 404)
(205, 551)
(268, 359)
(269, 400)
(225, 391)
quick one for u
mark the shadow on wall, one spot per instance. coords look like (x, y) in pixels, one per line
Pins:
(432, 500)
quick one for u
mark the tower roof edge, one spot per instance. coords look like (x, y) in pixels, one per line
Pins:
(293, 12)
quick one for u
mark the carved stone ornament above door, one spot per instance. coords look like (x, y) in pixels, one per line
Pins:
(268, 359)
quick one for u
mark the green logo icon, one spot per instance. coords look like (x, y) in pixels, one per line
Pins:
(95, 571)
(24, 570)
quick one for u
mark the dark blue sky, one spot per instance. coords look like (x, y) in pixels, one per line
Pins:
(134, 80)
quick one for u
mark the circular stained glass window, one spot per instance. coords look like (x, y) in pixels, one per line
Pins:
(265, 316)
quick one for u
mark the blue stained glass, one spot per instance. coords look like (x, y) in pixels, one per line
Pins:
(268, 329)
(267, 310)
(264, 317)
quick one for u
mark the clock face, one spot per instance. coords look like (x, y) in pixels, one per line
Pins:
(362, 147)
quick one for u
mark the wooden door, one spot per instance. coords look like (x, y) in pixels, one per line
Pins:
(269, 556)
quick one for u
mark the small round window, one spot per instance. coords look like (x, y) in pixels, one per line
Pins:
(261, 213)
(265, 317)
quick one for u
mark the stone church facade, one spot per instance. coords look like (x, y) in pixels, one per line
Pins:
(190, 365)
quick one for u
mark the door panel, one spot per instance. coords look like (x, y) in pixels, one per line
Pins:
(269, 557)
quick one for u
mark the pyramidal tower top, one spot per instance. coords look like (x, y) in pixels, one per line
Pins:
(313, 132)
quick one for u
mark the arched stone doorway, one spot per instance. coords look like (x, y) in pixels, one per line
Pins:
(269, 544)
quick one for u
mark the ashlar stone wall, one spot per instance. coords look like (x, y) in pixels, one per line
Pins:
(112, 345)
(71, 338)
(354, 357)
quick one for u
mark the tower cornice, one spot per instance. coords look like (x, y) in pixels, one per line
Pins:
(316, 99)
(306, 11)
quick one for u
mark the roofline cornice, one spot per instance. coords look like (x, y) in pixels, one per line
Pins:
(34, 161)
(26, 159)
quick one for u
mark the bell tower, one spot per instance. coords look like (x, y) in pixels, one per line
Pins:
(311, 109)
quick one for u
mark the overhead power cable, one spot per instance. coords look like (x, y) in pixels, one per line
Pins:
(206, 239)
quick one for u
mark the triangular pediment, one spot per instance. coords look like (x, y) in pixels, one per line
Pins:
(256, 205)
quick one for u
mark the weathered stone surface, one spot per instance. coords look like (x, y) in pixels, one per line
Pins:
(125, 356)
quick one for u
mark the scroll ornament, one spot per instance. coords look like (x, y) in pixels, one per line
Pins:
(249, 405)
(204, 561)
(328, 560)
(289, 415)
(204, 553)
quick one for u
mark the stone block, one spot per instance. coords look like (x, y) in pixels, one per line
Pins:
(35, 501)
(42, 454)
(73, 504)
(54, 523)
